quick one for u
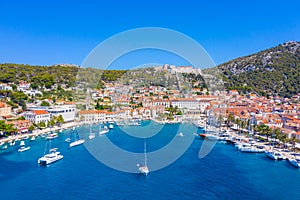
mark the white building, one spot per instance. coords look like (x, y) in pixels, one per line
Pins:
(92, 116)
(186, 103)
(37, 116)
(66, 111)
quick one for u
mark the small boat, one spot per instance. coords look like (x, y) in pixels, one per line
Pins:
(103, 130)
(26, 137)
(51, 157)
(32, 138)
(5, 147)
(110, 126)
(202, 135)
(12, 143)
(144, 168)
(180, 134)
(295, 162)
(1, 143)
(51, 136)
(68, 140)
(92, 136)
(251, 149)
(23, 149)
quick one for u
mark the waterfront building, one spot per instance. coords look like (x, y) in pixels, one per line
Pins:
(92, 116)
(37, 116)
(66, 111)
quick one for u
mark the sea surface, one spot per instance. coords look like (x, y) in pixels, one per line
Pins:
(224, 173)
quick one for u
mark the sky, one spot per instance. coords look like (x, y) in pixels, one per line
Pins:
(53, 32)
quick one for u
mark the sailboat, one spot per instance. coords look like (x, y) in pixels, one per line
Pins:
(103, 130)
(92, 135)
(51, 157)
(76, 138)
(144, 168)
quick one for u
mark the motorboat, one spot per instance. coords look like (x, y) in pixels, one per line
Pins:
(51, 157)
(180, 134)
(103, 130)
(251, 149)
(23, 149)
(110, 126)
(51, 136)
(32, 138)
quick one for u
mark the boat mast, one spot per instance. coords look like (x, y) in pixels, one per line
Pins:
(145, 152)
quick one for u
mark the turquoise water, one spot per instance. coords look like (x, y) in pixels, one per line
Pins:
(223, 174)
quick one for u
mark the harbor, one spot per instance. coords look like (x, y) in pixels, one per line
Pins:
(227, 169)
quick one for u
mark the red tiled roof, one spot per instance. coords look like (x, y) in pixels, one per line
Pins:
(40, 112)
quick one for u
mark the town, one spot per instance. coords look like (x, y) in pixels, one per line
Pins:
(123, 104)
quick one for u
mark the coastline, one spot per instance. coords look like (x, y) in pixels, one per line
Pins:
(36, 133)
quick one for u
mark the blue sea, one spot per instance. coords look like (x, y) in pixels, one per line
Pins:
(224, 173)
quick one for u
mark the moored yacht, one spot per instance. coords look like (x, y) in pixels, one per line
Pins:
(77, 140)
(76, 143)
(251, 149)
(103, 130)
(295, 162)
(51, 157)
(22, 147)
(52, 136)
(275, 155)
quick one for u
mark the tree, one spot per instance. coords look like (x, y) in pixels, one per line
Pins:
(60, 120)
(45, 103)
(31, 128)
(41, 124)
(21, 118)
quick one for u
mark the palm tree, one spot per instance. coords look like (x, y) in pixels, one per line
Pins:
(238, 121)
(230, 119)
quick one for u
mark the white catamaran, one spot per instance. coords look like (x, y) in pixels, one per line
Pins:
(51, 157)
